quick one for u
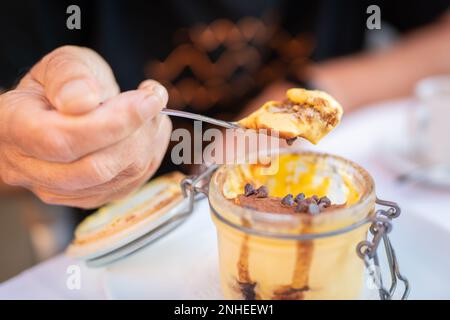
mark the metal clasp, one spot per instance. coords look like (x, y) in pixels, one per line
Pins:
(367, 250)
(192, 190)
(196, 187)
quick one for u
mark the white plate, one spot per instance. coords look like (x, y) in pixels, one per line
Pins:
(399, 157)
(184, 264)
(421, 248)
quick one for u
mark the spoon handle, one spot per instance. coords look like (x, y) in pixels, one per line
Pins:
(194, 116)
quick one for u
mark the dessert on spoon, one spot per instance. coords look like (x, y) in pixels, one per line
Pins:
(309, 114)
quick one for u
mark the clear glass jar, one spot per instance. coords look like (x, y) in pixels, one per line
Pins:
(283, 256)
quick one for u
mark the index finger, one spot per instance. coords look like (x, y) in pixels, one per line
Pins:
(47, 134)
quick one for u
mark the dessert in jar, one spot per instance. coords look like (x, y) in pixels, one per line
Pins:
(292, 229)
(262, 216)
(258, 217)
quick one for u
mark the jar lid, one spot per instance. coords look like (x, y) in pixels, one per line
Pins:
(121, 228)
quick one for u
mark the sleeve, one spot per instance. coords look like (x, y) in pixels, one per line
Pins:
(29, 29)
(412, 14)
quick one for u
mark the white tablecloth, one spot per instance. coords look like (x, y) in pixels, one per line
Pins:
(184, 264)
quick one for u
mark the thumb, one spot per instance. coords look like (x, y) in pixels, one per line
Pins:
(75, 79)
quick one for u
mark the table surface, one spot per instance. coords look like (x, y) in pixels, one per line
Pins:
(183, 265)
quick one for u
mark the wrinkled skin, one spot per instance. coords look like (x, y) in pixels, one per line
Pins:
(71, 137)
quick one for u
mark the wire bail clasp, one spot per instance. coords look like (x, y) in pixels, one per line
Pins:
(367, 250)
(196, 187)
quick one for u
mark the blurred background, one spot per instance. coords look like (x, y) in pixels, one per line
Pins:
(223, 59)
(30, 231)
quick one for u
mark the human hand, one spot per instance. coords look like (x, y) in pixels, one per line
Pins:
(70, 136)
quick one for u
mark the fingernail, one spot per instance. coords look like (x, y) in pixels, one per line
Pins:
(74, 91)
(147, 107)
(161, 92)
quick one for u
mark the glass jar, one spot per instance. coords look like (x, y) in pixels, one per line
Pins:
(266, 255)
(294, 256)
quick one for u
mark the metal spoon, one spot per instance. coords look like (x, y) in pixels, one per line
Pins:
(194, 116)
(220, 123)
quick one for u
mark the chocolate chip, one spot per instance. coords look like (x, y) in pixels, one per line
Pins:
(313, 208)
(291, 141)
(302, 206)
(262, 192)
(325, 202)
(300, 197)
(249, 190)
(288, 200)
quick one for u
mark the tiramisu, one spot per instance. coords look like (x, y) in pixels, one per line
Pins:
(310, 114)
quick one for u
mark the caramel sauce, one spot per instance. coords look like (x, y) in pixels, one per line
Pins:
(296, 290)
(246, 285)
